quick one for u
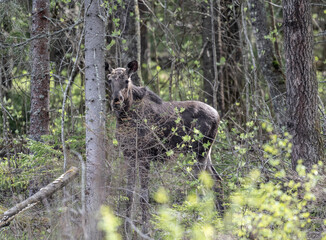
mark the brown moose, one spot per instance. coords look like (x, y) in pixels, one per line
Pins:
(149, 129)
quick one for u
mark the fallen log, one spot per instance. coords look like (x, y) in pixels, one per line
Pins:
(45, 192)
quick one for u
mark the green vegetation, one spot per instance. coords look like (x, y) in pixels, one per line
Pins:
(276, 203)
(264, 198)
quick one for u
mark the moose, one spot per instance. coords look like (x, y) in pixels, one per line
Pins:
(150, 129)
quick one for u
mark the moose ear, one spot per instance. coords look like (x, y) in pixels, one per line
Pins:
(109, 80)
(132, 66)
(108, 67)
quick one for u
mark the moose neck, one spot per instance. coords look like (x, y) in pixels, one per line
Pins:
(138, 93)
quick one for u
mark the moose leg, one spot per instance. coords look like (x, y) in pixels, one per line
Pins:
(218, 187)
(205, 164)
(130, 190)
(143, 173)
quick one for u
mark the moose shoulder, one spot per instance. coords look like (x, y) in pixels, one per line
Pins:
(149, 129)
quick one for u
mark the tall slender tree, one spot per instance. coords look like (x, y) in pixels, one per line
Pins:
(301, 83)
(40, 77)
(267, 60)
(221, 53)
(207, 57)
(129, 44)
(95, 114)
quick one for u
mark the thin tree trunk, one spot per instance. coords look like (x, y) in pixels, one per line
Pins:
(138, 40)
(206, 61)
(95, 114)
(276, 45)
(40, 77)
(301, 83)
(215, 82)
(219, 55)
(128, 13)
(245, 63)
(145, 43)
(267, 60)
(7, 54)
(5, 122)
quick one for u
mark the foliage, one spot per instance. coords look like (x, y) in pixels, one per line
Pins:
(277, 209)
(195, 218)
(273, 210)
(30, 168)
(277, 205)
(263, 197)
(110, 223)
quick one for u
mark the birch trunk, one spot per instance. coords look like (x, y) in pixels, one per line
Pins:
(95, 114)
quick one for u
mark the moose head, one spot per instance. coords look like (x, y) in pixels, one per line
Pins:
(120, 82)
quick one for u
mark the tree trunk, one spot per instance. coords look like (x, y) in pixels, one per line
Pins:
(95, 114)
(40, 77)
(145, 43)
(269, 65)
(301, 83)
(129, 44)
(232, 74)
(207, 57)
(7, 55)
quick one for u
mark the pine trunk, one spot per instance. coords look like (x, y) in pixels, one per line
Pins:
(301, 83)
(40, 77)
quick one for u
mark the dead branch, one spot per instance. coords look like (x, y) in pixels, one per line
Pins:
(45, 192)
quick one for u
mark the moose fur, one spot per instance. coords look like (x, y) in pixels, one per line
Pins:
(149, 129)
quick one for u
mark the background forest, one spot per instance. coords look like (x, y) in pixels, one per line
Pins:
(260, 64)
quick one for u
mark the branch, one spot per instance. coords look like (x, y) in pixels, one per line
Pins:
(4, 45)
(141, 234)
(320, 34)
(45, 192)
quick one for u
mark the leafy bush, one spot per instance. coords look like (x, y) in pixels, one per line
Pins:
(272, 202)
(273, 210)
(110, 223)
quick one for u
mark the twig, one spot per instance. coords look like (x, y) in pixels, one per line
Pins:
(320, 34)
(141, 234)
(273, 4)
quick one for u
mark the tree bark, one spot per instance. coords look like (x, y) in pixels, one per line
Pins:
(145, 43)
(207, 57)
(269, 65)
(232, 74)
(45, 192)
(95, 114)
(40, 77)
(301, 83)
(129, 44)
